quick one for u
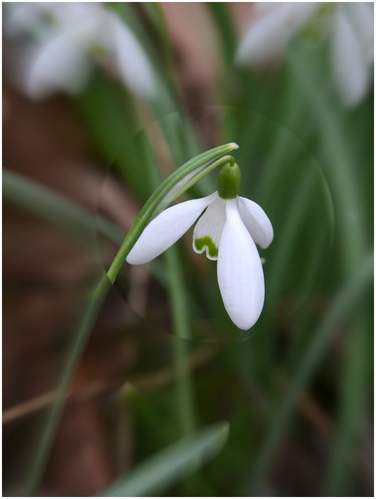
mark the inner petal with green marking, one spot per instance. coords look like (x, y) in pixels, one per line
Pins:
(208, 230)
(207, 243)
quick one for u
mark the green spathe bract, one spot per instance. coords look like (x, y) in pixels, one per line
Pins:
(229, 181)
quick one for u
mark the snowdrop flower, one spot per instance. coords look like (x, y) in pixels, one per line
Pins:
(350, 34)
(352, 50)
(227, 232)
(276, 25)
(71, 37)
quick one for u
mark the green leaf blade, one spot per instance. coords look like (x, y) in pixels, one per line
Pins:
(171, 465)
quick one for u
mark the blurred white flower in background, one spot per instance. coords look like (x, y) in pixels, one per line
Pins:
(352, 50)
(351, 35)
(275, 25)
(68, 39)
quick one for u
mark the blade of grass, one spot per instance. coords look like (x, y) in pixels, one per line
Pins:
(48, 205)
(85, 327)
(226, 30)
(156, 15)
(351, 406)
(169, 466)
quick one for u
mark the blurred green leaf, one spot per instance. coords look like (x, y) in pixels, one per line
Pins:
(109, 114)
(344, 303)
(48, 205)
(335, 159)
(155, 13)
(351, 407)
(226, 29)
(171, 465)
(55, 209)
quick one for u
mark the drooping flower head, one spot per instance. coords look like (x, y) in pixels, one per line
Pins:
(349, 26)
(226, 232)
(68, 39)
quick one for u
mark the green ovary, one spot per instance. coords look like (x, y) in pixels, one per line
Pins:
(208, 242)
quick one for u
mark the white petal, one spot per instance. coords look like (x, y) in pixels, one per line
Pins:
(208, 230)
(164, 230)
(302, 13)
(268, 35)
(96, 30)
(349, 63)
(240, 274)
(77, 14)
(256, 221)
(132, 62)
(264, 39)
(60, 64)
(361, 14)
(264, 8)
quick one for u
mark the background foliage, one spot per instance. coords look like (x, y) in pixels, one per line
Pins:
(136, 408)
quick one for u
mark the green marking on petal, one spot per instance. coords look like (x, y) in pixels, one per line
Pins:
(208, 242)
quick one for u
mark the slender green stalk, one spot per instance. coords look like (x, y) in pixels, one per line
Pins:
(184, 392)
(183, 386)
(181, 328)
(203, 161)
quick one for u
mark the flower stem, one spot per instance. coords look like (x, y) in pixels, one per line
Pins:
(204, 163)
(181, 328)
